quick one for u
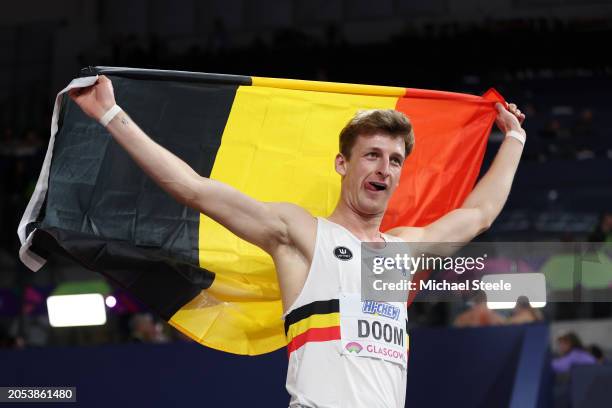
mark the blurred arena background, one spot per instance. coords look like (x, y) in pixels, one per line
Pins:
(551, 57)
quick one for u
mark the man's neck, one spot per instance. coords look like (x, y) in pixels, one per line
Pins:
(366, 228)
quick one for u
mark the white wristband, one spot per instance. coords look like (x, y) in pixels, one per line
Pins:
(109, 115)
(517, 135)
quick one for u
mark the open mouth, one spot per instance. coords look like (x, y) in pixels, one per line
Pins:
(378, 186)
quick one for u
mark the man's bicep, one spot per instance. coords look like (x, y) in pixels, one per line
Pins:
(461, 225)
(254, 221)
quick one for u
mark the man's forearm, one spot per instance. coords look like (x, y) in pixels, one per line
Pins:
(491, 192)
(252, 220)
(168, 171)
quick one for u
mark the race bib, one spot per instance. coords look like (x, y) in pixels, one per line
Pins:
(373, 329)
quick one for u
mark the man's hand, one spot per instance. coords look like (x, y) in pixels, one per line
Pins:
(95, 100)
(509, 119)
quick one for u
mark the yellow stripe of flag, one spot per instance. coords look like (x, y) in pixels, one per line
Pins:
(275, 139)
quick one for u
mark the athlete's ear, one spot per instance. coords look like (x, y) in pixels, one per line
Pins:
(341, 164)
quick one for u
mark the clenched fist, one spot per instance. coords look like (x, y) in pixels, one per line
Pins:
(95, 100)
(509, 119)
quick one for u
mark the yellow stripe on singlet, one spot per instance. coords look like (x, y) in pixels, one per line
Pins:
(313, 322)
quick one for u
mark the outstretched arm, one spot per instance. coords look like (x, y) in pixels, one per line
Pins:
(485, 202)
(263, 224)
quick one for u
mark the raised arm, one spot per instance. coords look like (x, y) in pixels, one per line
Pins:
(263, 224)
(485, 202)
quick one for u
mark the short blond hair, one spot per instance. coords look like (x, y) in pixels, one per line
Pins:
(366, 122)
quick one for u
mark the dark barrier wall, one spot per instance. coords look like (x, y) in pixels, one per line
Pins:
(481, 367)
(590, 386)
(485, 367)
(143, 375)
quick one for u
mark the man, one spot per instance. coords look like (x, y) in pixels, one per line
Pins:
(316, 259)
(144, 329)
(571, 352)
(523, 312)
(479, 314)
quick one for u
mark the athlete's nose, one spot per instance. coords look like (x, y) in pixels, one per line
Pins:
(383, 169)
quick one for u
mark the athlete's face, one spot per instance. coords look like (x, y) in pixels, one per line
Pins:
(372, 174)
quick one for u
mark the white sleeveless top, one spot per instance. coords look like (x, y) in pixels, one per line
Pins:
(334, 339)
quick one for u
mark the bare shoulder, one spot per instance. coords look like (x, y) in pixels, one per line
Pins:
(291, 212)
(301, 225)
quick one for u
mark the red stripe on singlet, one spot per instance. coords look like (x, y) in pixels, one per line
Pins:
(314, 334)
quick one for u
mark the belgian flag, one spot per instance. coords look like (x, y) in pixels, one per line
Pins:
(273, 139)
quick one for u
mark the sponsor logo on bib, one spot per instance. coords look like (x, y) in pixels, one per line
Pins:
(354, 347)
(343, 253)
(373, 329)
(380, 309)
(385, 352)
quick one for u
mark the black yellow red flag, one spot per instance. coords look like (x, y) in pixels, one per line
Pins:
(273, 139)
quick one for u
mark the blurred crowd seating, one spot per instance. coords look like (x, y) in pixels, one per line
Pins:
(562, 188)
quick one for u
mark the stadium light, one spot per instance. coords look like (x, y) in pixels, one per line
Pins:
(511, 305)
(110, 301)
(76, 310)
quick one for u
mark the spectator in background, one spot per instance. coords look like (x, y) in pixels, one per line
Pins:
(524, 313)
(478, 314)
(572, 352)
(557, 140)
(143, 329)
(597, 353)
(7, 142)
(588, 142)
(9, 341)
(218, 41)
(603, 231)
